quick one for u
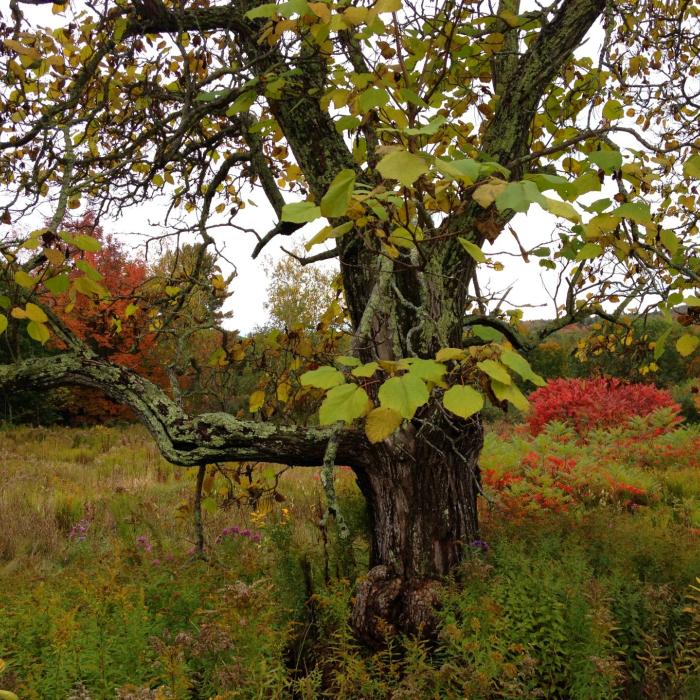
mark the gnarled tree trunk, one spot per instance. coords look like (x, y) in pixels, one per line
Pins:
(422, 494)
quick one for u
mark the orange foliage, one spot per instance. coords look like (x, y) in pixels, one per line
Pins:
(104, 326)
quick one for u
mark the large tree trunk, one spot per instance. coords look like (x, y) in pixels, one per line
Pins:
(421, 493)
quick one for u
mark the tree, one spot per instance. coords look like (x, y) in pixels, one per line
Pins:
(297, 294)
(418, 132)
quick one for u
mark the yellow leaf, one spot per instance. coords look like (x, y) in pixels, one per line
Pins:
(22, 50)
(283, 392)
(380, 423)
(687, 344)
(485, 195)
(257, 399)
(321, 10)
(24, 280)
(35, 313)
(355, 15)
(38, 332)
(387, 6)
(445, 354)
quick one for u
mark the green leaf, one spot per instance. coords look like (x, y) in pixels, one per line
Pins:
(669, 239)
(495, 370)
(402, 166)
(407, 95)
(463, 401)
(119, 29)
(5, 301)
(89, 270)
(374, 97)
(3, 323)
(473, 250)
(38, 331)
(322, 378)
(404, 394)
(599, 206)
(86, 243)
(58, 284)
(347, 361)
(521, 366)
(211, 96)
(639, 212)
(466, 170)
(336, 201)
(344, 403)
(687, 344)
(486, 333)
(300, 212)
(242, 103)
(428, 370)
(613, 110)
(429, 129)
(266, 10)
(209, 505)
(559, 184)
(691, 167)
(660, 344)
(130, 310)
(511, 393)
(381, 423)
(24, 280)
(366, 370)
(329, 232)
(608, 161)
(589, 251)
(562, 209)
(518, 196)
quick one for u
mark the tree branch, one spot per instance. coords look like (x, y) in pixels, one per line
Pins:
(182, 439)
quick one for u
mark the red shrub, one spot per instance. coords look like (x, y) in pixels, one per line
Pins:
(603, 402)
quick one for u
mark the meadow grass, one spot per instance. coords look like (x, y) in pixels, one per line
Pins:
(584, 589)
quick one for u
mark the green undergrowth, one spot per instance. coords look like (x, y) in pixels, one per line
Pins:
(583, 586)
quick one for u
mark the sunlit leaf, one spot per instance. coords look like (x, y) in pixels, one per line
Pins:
(510, 393)
(336, 201)
(521, 366)
(473, 250)
(381, 423)
(35, 313)
(495, 370)
(38, 331)
(404, 394)
(322, 378)
(687, 344)
(344, 403)
(300, 212)
(463, 401)
(402, 166)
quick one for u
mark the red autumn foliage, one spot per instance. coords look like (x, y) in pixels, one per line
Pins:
(102, 323)
(601, 402)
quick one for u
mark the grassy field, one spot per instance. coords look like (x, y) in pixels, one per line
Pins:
(582, 585)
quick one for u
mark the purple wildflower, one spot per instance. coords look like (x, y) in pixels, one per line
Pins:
(481, 545)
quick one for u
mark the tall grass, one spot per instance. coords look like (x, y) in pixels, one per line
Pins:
(103, 595)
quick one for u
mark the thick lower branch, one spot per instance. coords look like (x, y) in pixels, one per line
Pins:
(182, 439)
